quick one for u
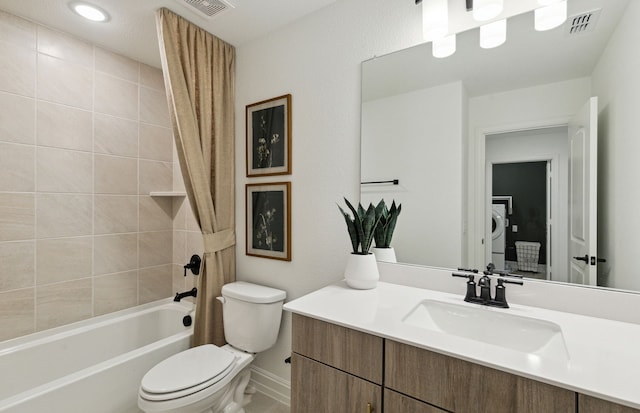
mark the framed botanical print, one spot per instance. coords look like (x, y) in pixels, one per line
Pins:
(269, 137)
(268, 220)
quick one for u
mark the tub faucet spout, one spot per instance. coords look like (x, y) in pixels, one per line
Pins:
(191, 293)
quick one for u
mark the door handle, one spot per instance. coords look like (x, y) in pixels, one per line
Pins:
(369, 408)
(594, 260)
(585, 258)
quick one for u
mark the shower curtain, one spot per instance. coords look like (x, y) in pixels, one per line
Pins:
(199, 71)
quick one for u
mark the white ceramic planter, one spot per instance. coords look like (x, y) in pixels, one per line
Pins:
(362, 271)
(384, 254)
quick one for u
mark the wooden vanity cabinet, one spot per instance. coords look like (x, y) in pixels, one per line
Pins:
(396, 402)
(463, 387)
(321, 388)
(588, 404)
(334, 369)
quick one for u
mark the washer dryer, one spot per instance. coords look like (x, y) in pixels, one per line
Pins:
(498, 235)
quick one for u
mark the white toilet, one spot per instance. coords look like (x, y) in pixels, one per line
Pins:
(210, 379)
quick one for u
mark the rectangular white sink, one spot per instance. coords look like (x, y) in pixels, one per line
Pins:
(492, 326)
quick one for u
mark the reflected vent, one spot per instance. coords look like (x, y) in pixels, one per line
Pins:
(583, 22)
(209, 8)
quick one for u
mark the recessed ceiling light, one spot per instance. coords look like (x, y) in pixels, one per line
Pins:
(89, 11)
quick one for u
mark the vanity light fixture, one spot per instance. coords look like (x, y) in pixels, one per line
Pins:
(444, 47)
(493, 34)
(89, 11)
(435, 19)
(435, 22)
(484, 10)
(551, 15)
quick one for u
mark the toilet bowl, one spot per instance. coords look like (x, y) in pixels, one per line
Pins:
(210, 379)
(197, 380)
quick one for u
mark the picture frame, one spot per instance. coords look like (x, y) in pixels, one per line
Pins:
(268, 220)
(268, 131)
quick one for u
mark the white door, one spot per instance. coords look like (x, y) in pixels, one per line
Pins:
(583, 172)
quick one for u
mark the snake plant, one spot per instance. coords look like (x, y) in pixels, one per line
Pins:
(361, 226)
(387, 223)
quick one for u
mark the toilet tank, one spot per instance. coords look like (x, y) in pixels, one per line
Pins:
(251, 315)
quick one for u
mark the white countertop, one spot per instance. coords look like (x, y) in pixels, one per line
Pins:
(602, 360)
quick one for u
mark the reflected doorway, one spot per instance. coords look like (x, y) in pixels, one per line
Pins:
(520, 237)
(527, 173)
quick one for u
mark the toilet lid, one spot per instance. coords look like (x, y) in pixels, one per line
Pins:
(188, 369)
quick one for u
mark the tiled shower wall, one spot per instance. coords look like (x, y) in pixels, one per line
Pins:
(84, 137)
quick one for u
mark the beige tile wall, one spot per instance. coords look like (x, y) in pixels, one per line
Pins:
(84, 137)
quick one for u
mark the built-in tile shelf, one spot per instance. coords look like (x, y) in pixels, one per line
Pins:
(167, 193)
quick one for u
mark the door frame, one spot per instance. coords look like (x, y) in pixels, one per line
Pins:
(477, 190)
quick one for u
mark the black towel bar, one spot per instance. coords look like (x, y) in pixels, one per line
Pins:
(393, 181)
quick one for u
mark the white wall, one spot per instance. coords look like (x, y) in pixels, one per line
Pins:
(416, 137)
(616, 83)
(316, 59)
(539, 145)
(543, 105)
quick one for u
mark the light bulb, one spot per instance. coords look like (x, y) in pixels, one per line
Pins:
(493, 34)
(549, 17)
(444, 47)
(484, 10)
(435, 19)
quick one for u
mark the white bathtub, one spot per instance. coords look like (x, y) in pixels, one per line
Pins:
(93, 366)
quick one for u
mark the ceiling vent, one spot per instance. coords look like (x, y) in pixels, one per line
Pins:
(582, 23)
(209, 8)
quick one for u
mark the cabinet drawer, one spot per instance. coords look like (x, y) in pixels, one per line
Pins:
(355, 352)
(588, 404)
(456, 385)
(320, 388)
(398, 403)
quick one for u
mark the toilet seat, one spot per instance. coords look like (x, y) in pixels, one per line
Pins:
(187, 373)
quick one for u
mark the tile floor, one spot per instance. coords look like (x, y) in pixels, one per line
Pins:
(263, 404)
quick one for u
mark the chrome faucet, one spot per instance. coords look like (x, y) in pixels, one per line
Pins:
(500, 298)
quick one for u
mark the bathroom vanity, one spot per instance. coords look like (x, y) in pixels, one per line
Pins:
(404, 349)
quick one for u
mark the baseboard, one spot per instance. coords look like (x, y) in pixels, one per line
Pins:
(271, 385)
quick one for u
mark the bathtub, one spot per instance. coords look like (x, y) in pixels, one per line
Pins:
(92, 366)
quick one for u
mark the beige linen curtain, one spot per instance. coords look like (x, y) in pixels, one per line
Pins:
(199, 72)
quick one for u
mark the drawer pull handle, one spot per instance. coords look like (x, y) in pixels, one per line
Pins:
(369, 408)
